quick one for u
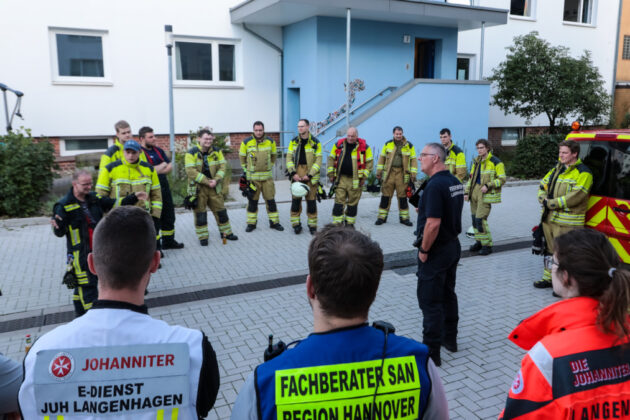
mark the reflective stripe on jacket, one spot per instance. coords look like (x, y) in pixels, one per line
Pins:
(568, 198)
(257, 158)
(409, 160)
(114, 153)
(456, 162)
(216, 165)
(313, 151)
(362, 160)
(572, 369)
(74, 226)
(121, 178)
(492, 174)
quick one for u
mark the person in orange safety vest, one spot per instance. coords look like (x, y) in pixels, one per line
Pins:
(578, 360)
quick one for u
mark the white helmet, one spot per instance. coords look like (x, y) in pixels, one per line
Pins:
(299, 189)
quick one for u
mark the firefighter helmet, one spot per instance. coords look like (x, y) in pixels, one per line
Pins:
(299, 189)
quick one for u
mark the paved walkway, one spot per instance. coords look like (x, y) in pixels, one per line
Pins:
(495, 294)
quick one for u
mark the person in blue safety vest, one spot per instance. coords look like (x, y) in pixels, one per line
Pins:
(345, 368)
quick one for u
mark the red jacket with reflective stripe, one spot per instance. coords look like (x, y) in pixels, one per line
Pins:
(572, 369)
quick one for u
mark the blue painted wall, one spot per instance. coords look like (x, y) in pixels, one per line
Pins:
(315, 62)
(427, 108)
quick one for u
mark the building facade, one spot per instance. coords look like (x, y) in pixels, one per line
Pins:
(577, 24)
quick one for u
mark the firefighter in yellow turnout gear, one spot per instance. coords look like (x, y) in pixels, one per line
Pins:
(258, 155)
(205, 167)
(563, 194)
(483, 189)
(304, 160)
(396, 167)
(131, 181)
(455, 158)
(349, 163)
(115, 151)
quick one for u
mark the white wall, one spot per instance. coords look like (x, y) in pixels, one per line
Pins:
(599, 39)
(138, 62)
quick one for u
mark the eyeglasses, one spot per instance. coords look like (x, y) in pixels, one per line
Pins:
(550, 262)
(427, 154)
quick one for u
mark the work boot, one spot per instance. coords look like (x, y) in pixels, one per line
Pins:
(297, 229)
(249, 228)
(476, 247)
(276, 226)
(434, 354)
(406, 222)
(203, 242)
(450, 345)
(542, 284)
(171, 244)
(379, 222)
(312, 229)
(231, 237)
(485, 250)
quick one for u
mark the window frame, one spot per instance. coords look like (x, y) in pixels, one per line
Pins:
(65, 152)
(511, 142)
(215, 82)
(57, 79)
(472, 65)
(579, 22)
(532, 12)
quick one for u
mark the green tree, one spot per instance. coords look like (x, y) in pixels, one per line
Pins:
(25, 173)
(538, 78)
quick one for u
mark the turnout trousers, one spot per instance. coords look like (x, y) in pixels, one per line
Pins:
(311, 204)
(167, 219)
(551, 232)
(394, 183)
(268, 189)
(436, 293)
(208, 198)
(348, 197)
(479, 211)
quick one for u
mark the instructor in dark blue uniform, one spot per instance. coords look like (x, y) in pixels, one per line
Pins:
(345, 368)
(439, 223)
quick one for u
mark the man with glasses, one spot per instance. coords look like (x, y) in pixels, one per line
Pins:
(439, 224)
(75, 216)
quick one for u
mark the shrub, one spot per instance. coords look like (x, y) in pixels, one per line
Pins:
(536, 155)
(25, 173)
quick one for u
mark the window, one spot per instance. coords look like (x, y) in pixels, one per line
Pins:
(206, 63)
(579, 11)
(463, 68)
(79, 56)
(625, 55)
(510, 136)
(194, 61)
(521, 8)
(77, 146)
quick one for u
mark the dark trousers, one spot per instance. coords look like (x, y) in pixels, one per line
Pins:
(167, 220)
(436, 294)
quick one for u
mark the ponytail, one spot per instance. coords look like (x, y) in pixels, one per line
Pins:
(614, 304)
(590, 260)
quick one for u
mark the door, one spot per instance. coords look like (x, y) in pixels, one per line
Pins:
(293, 114)
(619, 199)
(424, 62)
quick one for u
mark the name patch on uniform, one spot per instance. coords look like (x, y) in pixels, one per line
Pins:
(346, 391)
(589, 370)
(111, 380)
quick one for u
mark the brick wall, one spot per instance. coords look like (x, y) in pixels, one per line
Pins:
(67, 163)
